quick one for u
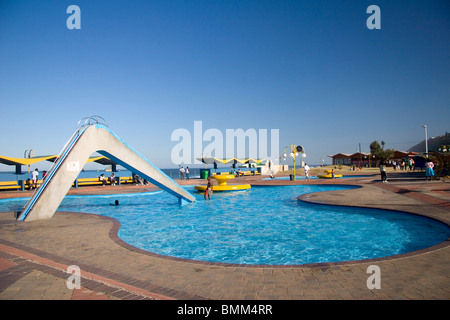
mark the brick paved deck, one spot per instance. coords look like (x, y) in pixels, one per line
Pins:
(34, 257)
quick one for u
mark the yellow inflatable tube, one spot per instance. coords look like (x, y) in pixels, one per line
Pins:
(225, 188)
(222, 179)
(329, 175)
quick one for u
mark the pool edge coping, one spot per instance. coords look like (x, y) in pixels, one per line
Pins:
(114, 235)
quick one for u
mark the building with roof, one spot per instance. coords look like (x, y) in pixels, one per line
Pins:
(359, 159)
(362, 159)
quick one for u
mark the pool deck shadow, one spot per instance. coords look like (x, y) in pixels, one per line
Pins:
(35, 256)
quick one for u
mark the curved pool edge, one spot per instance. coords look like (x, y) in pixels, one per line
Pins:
(186, 280)
(435, 247)
(329, 202)
(114, 236)
(116, 225)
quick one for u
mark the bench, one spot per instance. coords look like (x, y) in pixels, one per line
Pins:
(243, 173)
(9, 187)
(15, 185)
(96, 181)
(26, 185)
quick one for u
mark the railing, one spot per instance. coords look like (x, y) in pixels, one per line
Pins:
(85, 122)
(54, 168)
(81, 127)
(29, 185)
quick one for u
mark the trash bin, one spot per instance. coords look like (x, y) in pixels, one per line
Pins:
(291, 177)
(205, 173)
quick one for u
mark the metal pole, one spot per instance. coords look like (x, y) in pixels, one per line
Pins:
(293, 156)
(426, 139)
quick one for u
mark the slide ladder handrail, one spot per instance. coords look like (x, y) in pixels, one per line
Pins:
(52, 171)
(85, 122)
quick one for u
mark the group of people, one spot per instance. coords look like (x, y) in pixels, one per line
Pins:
(184, 173)
(104, 180)
(139, 181)
(407, 164)
(429, 168)
(237, 173)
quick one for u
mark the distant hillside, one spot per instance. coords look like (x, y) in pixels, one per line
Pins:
(433, 143)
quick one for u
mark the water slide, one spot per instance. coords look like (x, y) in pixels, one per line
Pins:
(86, 140)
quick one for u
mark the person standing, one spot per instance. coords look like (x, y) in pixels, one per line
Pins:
(187, 173)
(383, 171)
(209, 189)
(35, 177)
(306, 172)
(182, 173)
(429, 169)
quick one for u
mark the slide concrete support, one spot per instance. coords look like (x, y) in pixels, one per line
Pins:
(93, 138)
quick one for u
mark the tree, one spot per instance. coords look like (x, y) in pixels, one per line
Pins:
(378, 151)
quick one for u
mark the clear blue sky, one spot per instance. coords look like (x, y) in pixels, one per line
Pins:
(311, 69)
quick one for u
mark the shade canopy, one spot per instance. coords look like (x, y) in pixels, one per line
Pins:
(212, 160)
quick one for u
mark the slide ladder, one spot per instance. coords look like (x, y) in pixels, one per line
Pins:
(51, 172)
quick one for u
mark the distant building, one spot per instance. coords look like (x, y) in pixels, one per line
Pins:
(361, 159)
(400, 155)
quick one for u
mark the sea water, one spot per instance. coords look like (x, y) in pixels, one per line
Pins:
(173, 173)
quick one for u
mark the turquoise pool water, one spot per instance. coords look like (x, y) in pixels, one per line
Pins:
(266, 225)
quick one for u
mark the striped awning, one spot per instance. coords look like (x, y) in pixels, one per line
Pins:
(10, 161)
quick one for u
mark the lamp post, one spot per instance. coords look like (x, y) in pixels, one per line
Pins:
(426, 139)
(295, 150)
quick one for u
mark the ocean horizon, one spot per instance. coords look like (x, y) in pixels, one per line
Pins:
(173, 173)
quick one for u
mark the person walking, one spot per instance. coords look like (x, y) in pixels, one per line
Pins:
(306, 172)
(429, 169)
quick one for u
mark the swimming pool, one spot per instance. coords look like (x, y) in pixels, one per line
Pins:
(266, 225)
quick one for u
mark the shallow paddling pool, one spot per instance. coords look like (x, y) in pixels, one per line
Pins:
(266, 225)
